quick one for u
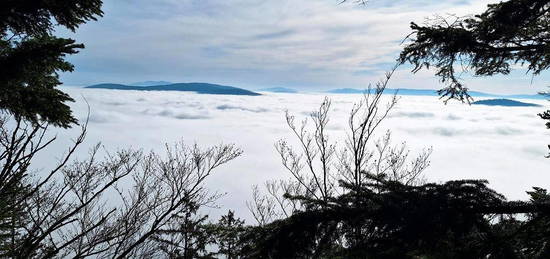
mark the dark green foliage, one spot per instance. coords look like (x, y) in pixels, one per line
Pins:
(507, 33)
(29, 79)
(188, 235)
(12, 218)
(34, 17)
(31, 57)
(228, 234)
(30, 60)
(546, 116)
(534, 235)
(192, 236)
(387, 219)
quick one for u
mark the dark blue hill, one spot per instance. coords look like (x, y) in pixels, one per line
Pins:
(151, 83)
(505, 102)
(201, 88)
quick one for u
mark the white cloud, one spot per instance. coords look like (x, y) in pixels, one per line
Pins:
(412, 114)
(240, 108)
(300, 43)
(509, 152)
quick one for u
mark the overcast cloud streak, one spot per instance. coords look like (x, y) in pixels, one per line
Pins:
(306, 44)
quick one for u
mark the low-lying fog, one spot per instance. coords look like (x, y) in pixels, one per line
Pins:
(505, 145)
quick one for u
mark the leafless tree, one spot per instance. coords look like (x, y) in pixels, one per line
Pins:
(97, 207)
(262, 207)
(164, 189)
(21, 141)
(317, 182)
(318, 164)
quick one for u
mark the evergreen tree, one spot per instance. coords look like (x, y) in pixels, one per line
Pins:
(188, 235)
(507, 33)
(451, 220)
(382, 207)
(12, 218)
(228, 232)
(31, 56)
(30, 59)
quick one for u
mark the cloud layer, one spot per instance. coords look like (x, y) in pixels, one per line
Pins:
(505, 145)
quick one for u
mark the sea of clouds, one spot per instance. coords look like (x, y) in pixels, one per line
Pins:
(505, 145)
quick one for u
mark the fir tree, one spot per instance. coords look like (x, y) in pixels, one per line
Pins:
(228, 233)
(31, 56)
(507, 33)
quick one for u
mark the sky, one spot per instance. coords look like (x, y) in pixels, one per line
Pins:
(309, 45)
(505, 145)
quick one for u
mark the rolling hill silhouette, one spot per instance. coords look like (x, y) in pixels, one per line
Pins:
(201, 88)
(505, 102)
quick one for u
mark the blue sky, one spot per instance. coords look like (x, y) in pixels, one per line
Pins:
(304, 44)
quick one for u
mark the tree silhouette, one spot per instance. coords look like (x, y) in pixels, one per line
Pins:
(31, 56)
(377, 204)
(507, 33)
(228, 232)
(110, 207)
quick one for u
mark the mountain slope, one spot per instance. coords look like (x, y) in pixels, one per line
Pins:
(151, 83)
(505, 102)
(201, 88)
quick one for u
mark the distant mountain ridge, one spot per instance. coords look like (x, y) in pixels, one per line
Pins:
(428, 92)
(279, 90)
(207, 88)
(151, 83)
(201, 88)
(505, 102)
